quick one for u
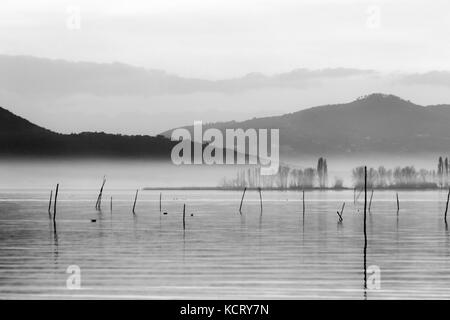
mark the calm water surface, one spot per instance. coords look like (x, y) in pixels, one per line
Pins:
(222, 254)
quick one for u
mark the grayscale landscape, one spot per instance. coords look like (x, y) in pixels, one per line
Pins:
(94, 206)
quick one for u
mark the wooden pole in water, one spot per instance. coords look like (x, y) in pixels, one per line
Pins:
(54, 204)
(365, 229)
(160, 197)
(398, 204)
(370, 202)
(50, 204)
(135, 199)
(99, 198)
(184, 216)
(354, 195)
(446, 206)
(111, 205)
(260, 200)
(101, 193)
(303, 192)
(341, 213)
(243, 194)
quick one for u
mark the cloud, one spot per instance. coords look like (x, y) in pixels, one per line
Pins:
(37, 76)
(432, 78)
(115, 97)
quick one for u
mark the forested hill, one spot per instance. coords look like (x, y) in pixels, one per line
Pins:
(19, 137)
(376, 123)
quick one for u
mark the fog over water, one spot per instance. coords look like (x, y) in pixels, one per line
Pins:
(133, 174)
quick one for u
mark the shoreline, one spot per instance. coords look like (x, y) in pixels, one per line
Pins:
(289, 189)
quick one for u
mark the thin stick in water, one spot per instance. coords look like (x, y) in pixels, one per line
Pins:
(446, 206)
(111, 205)
(135, 199)
(303, 205)
(54, 204)
(365, 229)
(99, 198)
(184, 216)
(340, 213)
(50, 204)
(398, 204)
(160, 197)
(243, 194)
(260, 200)
(370, 202)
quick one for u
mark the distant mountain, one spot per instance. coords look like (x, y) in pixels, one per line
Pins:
(27, 75)
(19, 137)
(374, 123)
(138, 99)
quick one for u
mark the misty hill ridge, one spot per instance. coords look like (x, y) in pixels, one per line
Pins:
(373, 123)
(13, 124)
(19, 137)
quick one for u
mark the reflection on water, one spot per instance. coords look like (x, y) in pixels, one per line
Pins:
(281, 253)
(120, 174)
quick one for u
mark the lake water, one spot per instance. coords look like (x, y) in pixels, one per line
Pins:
(221, 253)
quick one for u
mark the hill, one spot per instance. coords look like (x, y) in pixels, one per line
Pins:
(19, 137)
(376, 123)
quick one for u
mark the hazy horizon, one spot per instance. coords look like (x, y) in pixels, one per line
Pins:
(119, 98)
(149, 66)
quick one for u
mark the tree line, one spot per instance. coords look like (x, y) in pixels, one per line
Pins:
(289, 177)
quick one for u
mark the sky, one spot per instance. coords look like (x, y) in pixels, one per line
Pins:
(213, 60)
(217, 39)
